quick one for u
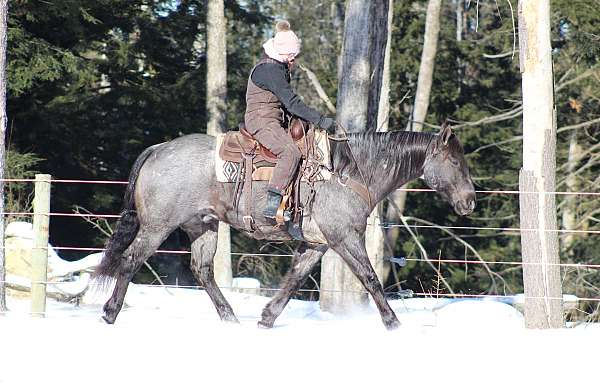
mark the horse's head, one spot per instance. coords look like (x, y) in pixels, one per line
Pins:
(446, 171)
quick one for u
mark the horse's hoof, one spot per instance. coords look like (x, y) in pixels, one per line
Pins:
(230, 318)
(393, 325)
(106, 320)
(265, 324)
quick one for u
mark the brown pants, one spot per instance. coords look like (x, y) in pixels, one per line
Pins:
(280, 143)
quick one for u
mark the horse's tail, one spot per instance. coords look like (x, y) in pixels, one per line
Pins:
(126, 229)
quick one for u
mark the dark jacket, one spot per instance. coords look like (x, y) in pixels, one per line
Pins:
(274, 76)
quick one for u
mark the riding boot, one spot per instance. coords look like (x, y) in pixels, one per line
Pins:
(273, 202)
(295, 230)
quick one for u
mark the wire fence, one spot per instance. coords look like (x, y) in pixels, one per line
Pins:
(491, 192)
(383, 224)
(432, 294)
(289, 255)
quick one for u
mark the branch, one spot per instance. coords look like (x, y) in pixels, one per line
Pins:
(515, 112)
(580, 157)
(423, 251)
(60, 296)
(512, 19)
(588, 164)
(98, 223)
(584, 75)
(520, 137)
(469, 246)
(510, 140)
(501, 55)
(320, 91)
(107, 231)
(578, 125)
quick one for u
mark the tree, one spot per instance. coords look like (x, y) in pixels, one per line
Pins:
(432, 30)
(573, 184)
(3, 121)
(374, 235)
(358, 100)
(539, 239)
(216, 97)
(421, 102)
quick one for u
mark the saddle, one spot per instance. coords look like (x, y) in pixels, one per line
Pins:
(243, 156)
(238, 143)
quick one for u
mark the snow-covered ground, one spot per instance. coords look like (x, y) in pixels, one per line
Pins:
(174, 340)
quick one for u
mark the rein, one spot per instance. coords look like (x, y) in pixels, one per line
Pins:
(364, 182)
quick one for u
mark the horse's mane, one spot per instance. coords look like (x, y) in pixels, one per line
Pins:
(397, 153)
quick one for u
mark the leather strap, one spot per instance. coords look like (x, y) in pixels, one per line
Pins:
(248, 217)
(357, 187)
(280, 217)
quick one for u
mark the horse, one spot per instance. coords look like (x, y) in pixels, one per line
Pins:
(173, 185)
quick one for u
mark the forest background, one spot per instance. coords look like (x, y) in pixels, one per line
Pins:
(92, 84)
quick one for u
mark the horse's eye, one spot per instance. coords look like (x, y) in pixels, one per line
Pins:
(453, 162)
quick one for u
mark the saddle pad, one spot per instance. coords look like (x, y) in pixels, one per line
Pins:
(228, 171)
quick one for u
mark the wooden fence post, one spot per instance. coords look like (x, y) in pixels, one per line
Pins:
(539, 239)
(216, 108)
(39, 253)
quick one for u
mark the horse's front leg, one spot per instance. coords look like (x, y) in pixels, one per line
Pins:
(305, 258)
(352, 250)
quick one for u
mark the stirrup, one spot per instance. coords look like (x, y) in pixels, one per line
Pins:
(248, 223)
(295, 231)
(287, 216)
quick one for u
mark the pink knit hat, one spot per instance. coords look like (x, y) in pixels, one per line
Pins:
(285, 42)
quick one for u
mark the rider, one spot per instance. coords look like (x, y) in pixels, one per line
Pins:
(268, 94)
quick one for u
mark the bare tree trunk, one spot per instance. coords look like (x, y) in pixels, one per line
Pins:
(337, 15)
(459, 19)
(432, 30)
(569, 214)
(459, 37)
(216, 97)
(3, 35)
(539, 239)
(360, 84)
(375, 235)
(383, 112)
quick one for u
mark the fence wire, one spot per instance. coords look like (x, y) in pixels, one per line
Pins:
(434, 295)
(383, 224)
(501, 192)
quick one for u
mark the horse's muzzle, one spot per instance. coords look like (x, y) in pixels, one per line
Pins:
(465, 206)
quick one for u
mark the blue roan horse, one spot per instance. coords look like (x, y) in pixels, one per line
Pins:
(173, 185)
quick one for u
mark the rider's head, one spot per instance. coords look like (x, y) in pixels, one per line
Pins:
(285, 45)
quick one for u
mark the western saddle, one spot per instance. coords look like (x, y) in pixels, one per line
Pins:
(256, 162)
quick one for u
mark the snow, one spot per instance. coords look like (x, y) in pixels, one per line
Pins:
(169, 338)
(59, 266)
(19, 229)
(248, 283)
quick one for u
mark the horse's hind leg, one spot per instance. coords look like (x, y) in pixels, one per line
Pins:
(352, 250)
(143, 246)
(204, 246)
(305, 258)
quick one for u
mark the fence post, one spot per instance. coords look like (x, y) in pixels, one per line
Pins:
(539, 238)
(39, 253)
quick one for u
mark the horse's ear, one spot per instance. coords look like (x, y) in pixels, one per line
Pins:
(445, 133)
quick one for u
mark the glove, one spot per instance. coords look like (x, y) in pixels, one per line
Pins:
(327, 124)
